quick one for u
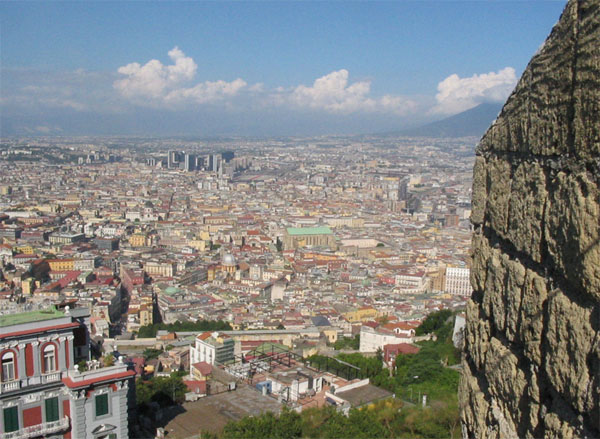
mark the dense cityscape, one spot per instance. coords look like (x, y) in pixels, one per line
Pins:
(299, 220)
(306, 245)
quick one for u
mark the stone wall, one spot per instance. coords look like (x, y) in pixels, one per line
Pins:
(532, 343)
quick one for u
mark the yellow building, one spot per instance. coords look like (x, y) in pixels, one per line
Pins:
(145, 315)
(164, 269)
(198, 244)
(138, 240)
(438, 278)
(61, 264)
(331, 335)
(211, 272)
(361, 315)
(27, 286)
(25, 249)
(320, 256)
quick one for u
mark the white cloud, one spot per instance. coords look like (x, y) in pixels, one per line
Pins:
(456, 94)
(158, 85)
(184, 68)
(164, 84)
(334, 94)
(206, 92)
(153, 79)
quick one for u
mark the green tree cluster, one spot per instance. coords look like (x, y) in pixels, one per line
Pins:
(427, 371)
(165, 391)
(311, 423)
(347, 343)
(150, 331)
(384, 419)
(433, 322)
(151, 353)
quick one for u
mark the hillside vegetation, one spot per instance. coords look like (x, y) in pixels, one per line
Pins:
(426, 372)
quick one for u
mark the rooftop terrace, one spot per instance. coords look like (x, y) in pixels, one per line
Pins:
(29, 317)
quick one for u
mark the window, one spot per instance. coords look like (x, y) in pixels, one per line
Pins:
(49, 358)
(11, 419)
(102, 405)
(51, 406)
(8, 367)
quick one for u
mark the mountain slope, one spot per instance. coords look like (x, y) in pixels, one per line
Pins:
(473, 122)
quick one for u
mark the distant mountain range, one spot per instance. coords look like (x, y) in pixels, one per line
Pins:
(473, 122)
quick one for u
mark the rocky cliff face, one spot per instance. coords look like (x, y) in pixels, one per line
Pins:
(532, 361)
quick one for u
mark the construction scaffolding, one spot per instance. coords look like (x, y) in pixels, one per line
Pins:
(262, 360)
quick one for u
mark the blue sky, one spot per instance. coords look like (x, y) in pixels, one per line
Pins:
(258, 67)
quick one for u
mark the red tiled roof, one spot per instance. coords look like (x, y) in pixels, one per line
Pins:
(196, 386)
(205, 335)
(203, 367)
(405, 326)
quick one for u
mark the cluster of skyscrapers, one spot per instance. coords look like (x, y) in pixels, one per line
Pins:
(192, 162)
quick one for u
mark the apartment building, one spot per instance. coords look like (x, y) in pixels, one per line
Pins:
(212, 348)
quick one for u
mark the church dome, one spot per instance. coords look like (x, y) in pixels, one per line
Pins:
(228, 259)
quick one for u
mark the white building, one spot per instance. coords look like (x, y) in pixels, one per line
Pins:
(412, 283)
(457, 281)
(212, 348)
(373, 339)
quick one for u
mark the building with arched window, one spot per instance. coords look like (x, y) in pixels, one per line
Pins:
(49, 360)
(8, 366)
(42, 393)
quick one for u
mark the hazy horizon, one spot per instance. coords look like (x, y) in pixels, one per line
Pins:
(258, 69)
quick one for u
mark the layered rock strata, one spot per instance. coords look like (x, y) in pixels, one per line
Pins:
(532, 341)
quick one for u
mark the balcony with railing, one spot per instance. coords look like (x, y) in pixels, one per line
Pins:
(11, 386)
(51, 377)
(43, 429)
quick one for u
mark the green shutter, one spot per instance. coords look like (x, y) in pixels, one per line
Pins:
(101, 405)
(11, 419)
(51, 409)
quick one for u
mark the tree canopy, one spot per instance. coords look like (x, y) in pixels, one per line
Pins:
(149, 331)
(433, 321)
(165, 391)
(384, 419)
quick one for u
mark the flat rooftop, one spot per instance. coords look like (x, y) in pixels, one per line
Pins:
(29, 317)
(297, 372)
(363, 395)
(212, 413)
